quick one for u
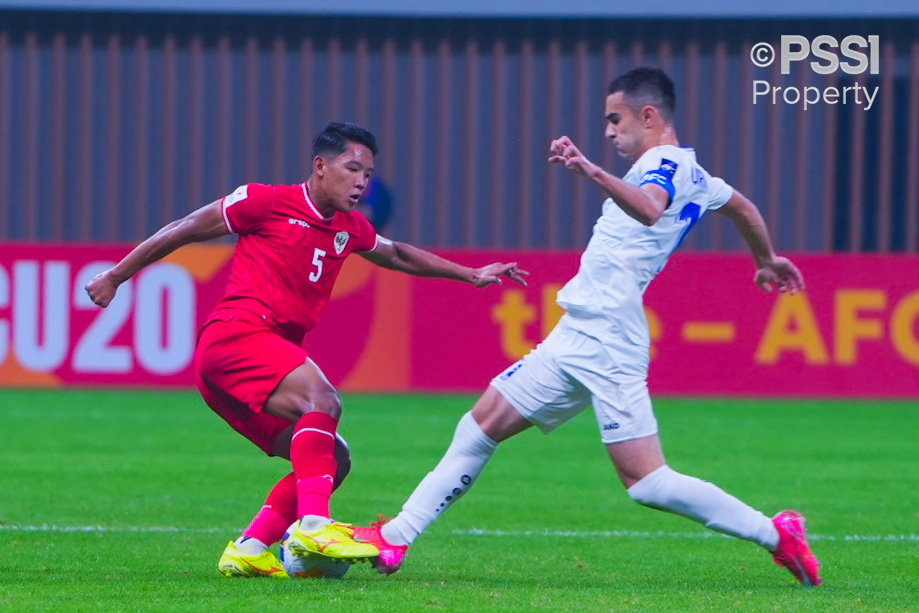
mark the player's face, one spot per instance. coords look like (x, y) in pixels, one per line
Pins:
(624, 127)
(343, 178)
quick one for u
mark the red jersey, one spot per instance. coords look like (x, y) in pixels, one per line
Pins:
(288, 255)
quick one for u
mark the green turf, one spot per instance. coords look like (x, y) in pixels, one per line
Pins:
(128, 463)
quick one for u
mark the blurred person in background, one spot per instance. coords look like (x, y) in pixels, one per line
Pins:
(376, 204)
(598, 354)
(250, 367)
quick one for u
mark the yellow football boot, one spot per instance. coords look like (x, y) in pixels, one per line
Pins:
(332, 540)
(234, 563)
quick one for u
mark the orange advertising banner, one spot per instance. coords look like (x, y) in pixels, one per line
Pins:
(853, 333)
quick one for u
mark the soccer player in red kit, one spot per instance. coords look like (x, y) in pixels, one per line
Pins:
(250, 366)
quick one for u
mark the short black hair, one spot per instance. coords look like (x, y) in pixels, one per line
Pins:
(335, 137)
(645, 85)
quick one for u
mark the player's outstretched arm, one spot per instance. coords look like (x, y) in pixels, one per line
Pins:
(772, 271)
(644, 204)
(201, 225)
(414, 261)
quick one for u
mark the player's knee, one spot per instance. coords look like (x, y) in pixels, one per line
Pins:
(329, 402)
(324, 401)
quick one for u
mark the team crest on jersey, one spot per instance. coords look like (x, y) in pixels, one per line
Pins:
(341, 240)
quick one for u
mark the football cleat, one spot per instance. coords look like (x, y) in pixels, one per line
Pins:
(332, 541)
(391, 556)
(793, 552)
(234, 563)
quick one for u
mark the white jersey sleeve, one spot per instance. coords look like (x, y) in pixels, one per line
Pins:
(719, 193)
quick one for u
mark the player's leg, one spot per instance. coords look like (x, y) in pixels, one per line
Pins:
(615, 372)
(261, 384)
(665, 489)
(248, 555)
(642, 468)
(281, 448)
(280, 508)
(306, 397)
(492, 420)
(531, 392)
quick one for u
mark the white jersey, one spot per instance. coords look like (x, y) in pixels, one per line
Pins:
(623, 256)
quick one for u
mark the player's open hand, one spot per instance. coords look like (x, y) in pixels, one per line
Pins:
(563, 151)
(494, 274)
(102, 288)
(780, 274)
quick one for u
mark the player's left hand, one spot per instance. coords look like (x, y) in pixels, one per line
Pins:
(780, 274)
(493, 273)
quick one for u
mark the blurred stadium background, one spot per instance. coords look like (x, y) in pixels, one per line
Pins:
(115, 117)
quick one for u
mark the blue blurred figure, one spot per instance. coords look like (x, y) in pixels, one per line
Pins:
(376, 204)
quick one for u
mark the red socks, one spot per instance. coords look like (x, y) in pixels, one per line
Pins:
(278, 513)
(312, 453)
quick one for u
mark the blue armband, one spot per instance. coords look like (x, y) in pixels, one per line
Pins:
(659, 178)
(662, 177)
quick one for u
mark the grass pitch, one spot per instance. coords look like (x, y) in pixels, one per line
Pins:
(118, 501)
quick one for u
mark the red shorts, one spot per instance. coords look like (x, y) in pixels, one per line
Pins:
(239, 362)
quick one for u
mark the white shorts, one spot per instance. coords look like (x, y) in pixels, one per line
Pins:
(569, 371)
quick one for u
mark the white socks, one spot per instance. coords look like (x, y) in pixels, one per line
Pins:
(668, 490)
(250, 546)
(314, 523)
(663, 489)
(451, 478)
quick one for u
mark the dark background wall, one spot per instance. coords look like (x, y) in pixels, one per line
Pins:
(113, 124)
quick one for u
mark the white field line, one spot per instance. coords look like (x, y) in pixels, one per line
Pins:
(625, 534)
(913, 538)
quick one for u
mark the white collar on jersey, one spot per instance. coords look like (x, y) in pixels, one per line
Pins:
(309, 201)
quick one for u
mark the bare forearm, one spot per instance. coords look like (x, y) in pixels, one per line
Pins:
(414, 261)
(757, 238)
(200, 225)
(166, 240)
(636, 203)
(752, 227)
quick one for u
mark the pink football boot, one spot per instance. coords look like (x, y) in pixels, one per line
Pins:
(793, 551)
(391, 556)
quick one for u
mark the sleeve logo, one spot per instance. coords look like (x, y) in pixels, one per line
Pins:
(241, 193)
(668, 167)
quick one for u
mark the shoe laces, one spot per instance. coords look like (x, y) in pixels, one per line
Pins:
(381, 521)
(344, 527)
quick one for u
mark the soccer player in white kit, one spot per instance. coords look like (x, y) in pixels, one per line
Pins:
(598, 354)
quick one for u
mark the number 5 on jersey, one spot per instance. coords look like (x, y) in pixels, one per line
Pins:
(317, 262)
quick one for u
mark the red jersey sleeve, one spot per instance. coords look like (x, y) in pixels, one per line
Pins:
(247, 208)
(367, 236)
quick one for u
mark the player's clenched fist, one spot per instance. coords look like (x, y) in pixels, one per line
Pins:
(101, 288)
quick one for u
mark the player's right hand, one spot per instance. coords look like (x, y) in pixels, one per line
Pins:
(102, 288)
(563, 151)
